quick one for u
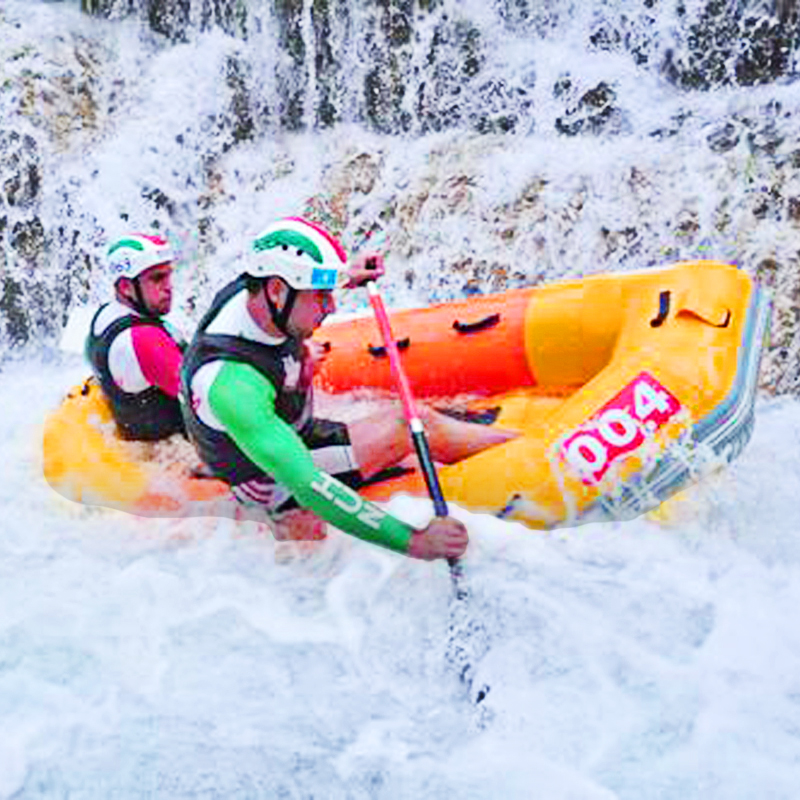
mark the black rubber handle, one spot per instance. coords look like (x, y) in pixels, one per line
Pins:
(380, 351)
(480, 325)
(663, 310)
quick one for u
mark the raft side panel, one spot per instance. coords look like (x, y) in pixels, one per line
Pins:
(446, 350)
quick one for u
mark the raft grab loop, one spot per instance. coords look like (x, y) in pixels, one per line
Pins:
(480, 325)
(380, 351)
(708, 319)
(663, 310)
(704, 306)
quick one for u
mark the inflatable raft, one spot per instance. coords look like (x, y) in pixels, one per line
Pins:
(624, 387)
(85, 461)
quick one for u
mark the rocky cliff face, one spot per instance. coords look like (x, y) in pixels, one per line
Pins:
(536, 151)
(424, 63)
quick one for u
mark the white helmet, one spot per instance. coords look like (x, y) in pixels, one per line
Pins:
(133, 254)
(305, 255)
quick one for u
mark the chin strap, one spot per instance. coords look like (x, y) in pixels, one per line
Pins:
(281, 316)
(139, 303)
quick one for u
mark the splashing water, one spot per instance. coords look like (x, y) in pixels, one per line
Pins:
(143, 658)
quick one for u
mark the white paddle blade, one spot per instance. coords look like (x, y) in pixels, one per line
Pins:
(73, 337)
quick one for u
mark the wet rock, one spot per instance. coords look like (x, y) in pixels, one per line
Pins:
(594, 113)
(766, 139)
(169, 17)
(330, 25)
(687, 224)
(624, 241)
(446, 93)
(291, 71)
(229, 15)
(108, 8)
(676, 123)
(403, 89)
(20, 169)
(362, 171)
(500, 108)
(396, 22)
(236, 78)
(28, 239)
(724, 138)
(734, 43)
(357, 174)
(12, 311)
(159, 199)
(481, 275)
(61, 91)
(384, 90)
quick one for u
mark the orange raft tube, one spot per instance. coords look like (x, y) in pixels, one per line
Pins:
(624, 387)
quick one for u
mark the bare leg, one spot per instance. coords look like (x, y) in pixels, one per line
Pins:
(382, 440)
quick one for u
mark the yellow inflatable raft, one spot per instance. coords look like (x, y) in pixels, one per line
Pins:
(625, 388)
(85, 461)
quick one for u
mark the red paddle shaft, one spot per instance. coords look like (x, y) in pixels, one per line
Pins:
(407, 398)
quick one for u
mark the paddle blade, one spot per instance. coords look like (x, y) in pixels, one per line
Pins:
(73, 337)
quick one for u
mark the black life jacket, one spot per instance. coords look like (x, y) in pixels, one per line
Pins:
(147, 415)
(293, 404)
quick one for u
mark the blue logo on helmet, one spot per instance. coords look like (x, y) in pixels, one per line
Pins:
(121, 266)
(323, 278)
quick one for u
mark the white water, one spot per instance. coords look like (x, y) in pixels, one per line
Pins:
(161, 658)
(651, 660)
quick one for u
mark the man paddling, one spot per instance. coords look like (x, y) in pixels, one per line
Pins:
(134, 354)
(247, 391)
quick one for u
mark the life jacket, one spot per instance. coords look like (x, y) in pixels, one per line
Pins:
(148, 415)
(293, 402)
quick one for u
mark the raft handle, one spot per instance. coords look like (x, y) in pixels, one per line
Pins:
(663, 310)
(480, 325)
(380, 351)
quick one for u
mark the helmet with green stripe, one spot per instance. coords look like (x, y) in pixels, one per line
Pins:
(131, 255)
(305, 255)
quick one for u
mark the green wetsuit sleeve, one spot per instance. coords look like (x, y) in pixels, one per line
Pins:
(244, 402)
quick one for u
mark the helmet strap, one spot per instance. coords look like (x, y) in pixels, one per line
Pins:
(281, 316)
(140, 305)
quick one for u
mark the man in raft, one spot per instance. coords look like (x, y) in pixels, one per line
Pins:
(247, 392)
(135, 356)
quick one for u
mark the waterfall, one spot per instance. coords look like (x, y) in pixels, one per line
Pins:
(496, 143)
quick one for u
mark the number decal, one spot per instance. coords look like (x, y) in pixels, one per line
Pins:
(647, 399)
(619, 427)
(586, 453)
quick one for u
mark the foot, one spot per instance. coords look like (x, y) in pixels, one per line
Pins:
(452, 439)
(299, 525)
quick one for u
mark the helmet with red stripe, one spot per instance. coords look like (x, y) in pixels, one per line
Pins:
(131, 255)
(305, 255)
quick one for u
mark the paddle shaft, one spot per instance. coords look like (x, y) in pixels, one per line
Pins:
(407, 398)
(462, 627)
